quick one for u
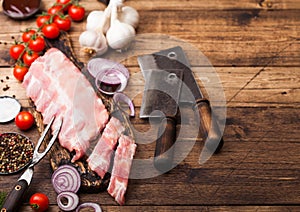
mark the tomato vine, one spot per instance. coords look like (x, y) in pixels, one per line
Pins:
(58, 18)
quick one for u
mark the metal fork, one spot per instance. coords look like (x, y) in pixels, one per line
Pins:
(12, 201)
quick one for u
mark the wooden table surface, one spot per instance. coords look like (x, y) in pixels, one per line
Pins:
(254, 46)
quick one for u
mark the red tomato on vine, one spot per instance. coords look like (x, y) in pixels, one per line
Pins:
(42, 19)
(26, 36)
(37, 44)
(50, 30)
(29, 57)
(55, 10)
(63, 22)
(19, 72)
(16, 51)
(76, 12)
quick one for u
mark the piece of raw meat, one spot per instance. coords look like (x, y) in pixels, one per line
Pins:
(99, 160)
(121, 168)
(58, 88)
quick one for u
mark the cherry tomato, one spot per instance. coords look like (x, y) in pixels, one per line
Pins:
(50, 30)
(63, 22)
(64, 3)
(24, 120)
(29, 57)
(16, 50)
(76, 12)
(55, 9)
(39, 202)
(19, 72)
(42, 19)
(37, 44)
(26, 36)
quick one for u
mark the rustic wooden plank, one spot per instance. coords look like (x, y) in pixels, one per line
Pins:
(247, 123)
(195, 4)
(268, 37)
(187, 208)
(273, 86)
(213, 5)
(244, 173)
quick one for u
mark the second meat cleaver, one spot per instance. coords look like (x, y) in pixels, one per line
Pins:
(191, 95)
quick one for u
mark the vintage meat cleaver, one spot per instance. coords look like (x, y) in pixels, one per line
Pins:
(190, 94)
(160, 101)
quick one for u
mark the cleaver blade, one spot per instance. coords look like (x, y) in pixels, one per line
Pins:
(161, 93)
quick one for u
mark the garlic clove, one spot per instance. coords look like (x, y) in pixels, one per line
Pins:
(95, 20)
(120, 35)
(93, 42)
(129, 15)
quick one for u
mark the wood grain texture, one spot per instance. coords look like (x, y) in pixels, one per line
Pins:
(254, 47)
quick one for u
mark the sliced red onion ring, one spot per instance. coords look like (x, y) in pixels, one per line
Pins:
(120, 97)
(95, 206)
(71, 198)
(96, 65)
(111, 81)
(66, 178)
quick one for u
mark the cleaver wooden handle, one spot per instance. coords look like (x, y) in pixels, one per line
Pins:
(163, 159)
(209, 126)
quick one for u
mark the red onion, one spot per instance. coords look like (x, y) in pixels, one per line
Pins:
(120, 97)
(72, 201)
(110, 76)
(66, 178)
(111, 81)
(97, 65)
(95, 206)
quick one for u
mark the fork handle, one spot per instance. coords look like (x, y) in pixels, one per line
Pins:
(13, 199)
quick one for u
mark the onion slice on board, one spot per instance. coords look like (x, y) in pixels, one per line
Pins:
(111, 81)
(72, 201)
(9, 108)
(110, 76)
(95, 206)
(120, 97)
(66, 178)
(96, 65)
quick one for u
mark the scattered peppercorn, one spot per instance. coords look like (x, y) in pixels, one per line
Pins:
(16, 151)
(7, 77)
(2, 80)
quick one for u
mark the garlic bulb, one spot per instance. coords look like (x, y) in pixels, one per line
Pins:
(93, 42)
(120, 35)
(129, 16)
(95, 21)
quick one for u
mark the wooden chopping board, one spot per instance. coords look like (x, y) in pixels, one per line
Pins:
(90, 181)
